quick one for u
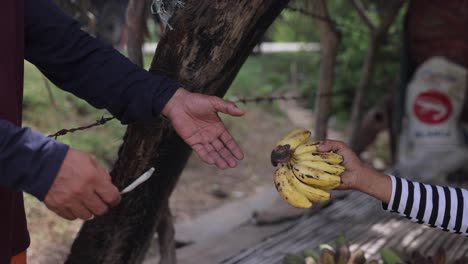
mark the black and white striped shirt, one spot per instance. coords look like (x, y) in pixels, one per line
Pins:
(440, 207)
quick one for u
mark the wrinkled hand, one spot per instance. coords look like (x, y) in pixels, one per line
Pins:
(194, 117)
(81, 189)
(354, 166)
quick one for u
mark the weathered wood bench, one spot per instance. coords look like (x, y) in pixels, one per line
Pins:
(365, 224)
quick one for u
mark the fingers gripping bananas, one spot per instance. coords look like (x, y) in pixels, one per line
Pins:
(322, 166)
(306, 173)
(315, 177)
(313, 194)
(328, 157)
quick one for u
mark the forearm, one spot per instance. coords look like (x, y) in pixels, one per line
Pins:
(437, 206)
(28, 161)
(90, 69)
(441, 207)
(375, 184)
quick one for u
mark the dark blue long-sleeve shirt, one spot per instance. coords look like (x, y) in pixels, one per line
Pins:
(84, 66)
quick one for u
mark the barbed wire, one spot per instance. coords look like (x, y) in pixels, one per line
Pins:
(257, 99)
(99, 122)
(269, 99)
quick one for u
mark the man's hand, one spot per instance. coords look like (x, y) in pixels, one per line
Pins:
(194, 117)
(81, 189)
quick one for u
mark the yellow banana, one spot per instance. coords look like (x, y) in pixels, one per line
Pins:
(313, 194)
(295, 138)
(310, 260)
(287, 190)
(284, 147)
(323, 166)
(331, 186)
(328, 157)
(302, 149)
(315, 177)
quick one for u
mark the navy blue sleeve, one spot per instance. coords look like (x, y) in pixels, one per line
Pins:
(28, 161)
(90, 69)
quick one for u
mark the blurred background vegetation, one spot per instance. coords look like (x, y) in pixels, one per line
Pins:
(50, 109)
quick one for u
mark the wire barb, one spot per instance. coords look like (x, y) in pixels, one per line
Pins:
(269, 99)
(165, 9)
(98, 122)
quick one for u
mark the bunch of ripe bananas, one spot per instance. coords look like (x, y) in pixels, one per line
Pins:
(305, 174)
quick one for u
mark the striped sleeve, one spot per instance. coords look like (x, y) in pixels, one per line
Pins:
(441, 207)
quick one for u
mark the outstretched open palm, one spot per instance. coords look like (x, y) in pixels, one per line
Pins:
(195, 118)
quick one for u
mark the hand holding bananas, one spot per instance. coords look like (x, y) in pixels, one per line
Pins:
(357, 175)
(305, 173)
(360, 177)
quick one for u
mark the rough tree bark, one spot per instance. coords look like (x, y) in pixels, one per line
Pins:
(329, 41)
(209, 43)
(378, 35)
(136, 23)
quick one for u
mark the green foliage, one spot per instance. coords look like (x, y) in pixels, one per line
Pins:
(292, 27)
(355, 38)
(390, 257)
(267, 74)
(293, 259)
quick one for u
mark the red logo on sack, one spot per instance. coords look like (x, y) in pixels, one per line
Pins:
(432, 107)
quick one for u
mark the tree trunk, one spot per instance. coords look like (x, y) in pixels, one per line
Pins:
(136, 19)
(388, 14)
(136, 22)
(166, 234)
(209, 43)
(329, 41)
(360, 97)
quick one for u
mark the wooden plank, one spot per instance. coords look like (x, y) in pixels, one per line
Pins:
(366, 225)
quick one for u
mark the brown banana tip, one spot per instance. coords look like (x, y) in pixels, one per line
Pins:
(281, 154)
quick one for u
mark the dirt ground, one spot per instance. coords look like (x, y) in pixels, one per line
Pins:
(201, 187)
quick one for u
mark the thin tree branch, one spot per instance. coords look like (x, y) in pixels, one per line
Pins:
(390, 16)
(307, 13)
(357, 4)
